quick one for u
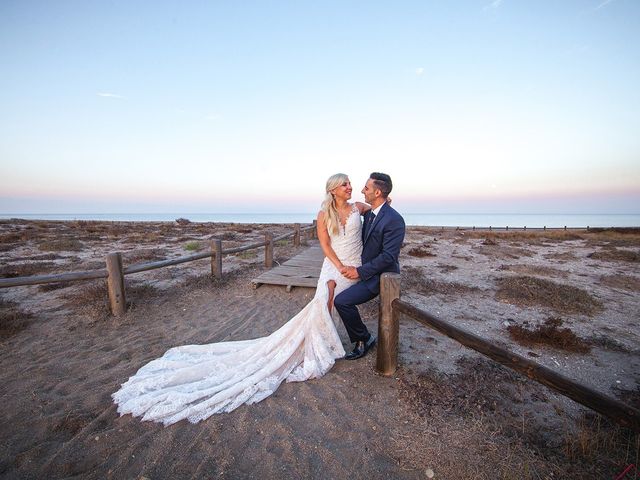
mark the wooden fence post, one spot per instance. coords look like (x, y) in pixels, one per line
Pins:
(115, 284)
(216, 258)
(296, 235)
(314, 230)
(388, 325)
(268, 250)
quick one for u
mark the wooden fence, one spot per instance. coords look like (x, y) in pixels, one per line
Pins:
(115, 271)
(387, 356)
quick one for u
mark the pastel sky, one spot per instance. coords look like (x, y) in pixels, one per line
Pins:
(211, 106)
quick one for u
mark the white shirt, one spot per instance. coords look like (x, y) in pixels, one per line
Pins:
(376, 210)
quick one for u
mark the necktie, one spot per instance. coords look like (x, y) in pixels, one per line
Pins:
(372, 218)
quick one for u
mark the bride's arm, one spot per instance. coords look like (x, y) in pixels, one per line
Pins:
(325, 242)
(363, 207)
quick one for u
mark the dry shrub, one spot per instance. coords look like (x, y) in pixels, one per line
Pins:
(624, 282)
(533, 270)
(144, 237)
(529, 236)
(608, 343)
(144, 255)
(183, 221)
(88, 265)
(26, 269)
(619, 230)
(549, 333)
(12, 237)
(12, 319)
(444, 268)
(185, 238)
(228, 236)
(502, 251)
(247, 254)
(600, 443)
(479, 384)
(413, 279)
(531, 291)
(89, 237)
(48, 287)
(5, 247)
(420, 251)
(615, 254)
(45, 256)
(91, 300)
(489, 241)
(561, 256)
(61, 245)
(139, 293)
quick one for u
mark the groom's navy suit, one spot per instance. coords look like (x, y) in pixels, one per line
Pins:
(382, 238)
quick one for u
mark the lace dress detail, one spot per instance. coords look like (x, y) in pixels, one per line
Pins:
(197, 381)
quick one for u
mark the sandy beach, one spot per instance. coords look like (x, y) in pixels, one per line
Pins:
(570, 300)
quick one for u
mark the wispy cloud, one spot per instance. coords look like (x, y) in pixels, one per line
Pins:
(495, 4)
(109, 95)
(419, 71)
(603, 4)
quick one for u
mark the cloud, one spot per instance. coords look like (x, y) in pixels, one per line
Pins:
(603, 4)
(496, 4)
(109, 95)
(419, 71)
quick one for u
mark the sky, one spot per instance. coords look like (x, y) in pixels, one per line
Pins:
(472, 106)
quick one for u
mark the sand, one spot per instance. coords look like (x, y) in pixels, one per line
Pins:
(447, 413)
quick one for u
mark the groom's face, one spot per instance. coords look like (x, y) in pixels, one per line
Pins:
(369, 192)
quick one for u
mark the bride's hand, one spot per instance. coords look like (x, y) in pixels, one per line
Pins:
(351, 273)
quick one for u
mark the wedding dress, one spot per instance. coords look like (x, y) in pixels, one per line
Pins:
(197, 381)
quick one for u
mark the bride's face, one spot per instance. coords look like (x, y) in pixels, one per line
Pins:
(343, 191)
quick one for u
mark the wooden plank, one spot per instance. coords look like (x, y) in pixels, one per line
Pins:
(58, 277)
(290, 278)
(303, 270)
(286, 282)
(303, 264)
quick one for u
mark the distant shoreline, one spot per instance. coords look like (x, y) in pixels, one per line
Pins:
(478, 220)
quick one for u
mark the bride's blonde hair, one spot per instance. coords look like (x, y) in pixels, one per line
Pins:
(331, 217)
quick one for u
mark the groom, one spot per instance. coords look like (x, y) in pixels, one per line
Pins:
(382, 237)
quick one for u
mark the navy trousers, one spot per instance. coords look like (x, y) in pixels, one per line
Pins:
(345, 303)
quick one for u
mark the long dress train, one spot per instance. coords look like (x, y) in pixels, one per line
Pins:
(196, 381)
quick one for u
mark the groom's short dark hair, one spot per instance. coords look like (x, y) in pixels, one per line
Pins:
(382, 181)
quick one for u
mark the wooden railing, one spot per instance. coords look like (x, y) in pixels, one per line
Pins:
(387, 357)
(115, 272)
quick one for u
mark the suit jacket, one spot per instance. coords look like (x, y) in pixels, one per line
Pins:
(381, 244)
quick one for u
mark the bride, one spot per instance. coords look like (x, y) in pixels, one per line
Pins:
(196, 381)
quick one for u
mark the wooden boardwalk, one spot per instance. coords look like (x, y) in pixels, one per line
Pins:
(302, 270)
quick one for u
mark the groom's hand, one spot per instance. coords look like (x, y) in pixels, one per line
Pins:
(350, 272)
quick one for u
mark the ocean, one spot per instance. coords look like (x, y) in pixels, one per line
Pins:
(480, 220)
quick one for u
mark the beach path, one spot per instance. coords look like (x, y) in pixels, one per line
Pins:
(58, 419)
(302, 270)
